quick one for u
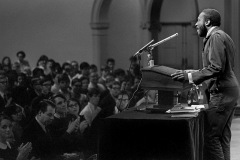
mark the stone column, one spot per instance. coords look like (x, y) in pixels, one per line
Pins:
(100, 42)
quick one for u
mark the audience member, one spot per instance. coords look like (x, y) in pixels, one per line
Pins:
(111, 64)
(67, 68)
(36, 131)
(76, 93)
(85, 69)
(119, 75)
(35, 89)
(93, 68)
(16, 67)
(105, 70)
(49, 67)
(56, 86)
(133, 61)
(6, 64)
(122, 102)
(108, 102)
(62, 124)
(15, 112)
(46, 93)
(42, 61)
(57, 69)
(64, 85)
(75, 68)
(94, 82)
(38, 72)
(20, 90)
(127, 85)
(5, 100)
(73, 108)
(85, 82)
(109, 81)
(8, 149)
(21, 60)
(44, 145)
(91, 110)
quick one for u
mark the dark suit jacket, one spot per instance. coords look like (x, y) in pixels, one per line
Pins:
(42, 142)
(107, 103)
(2, 104)
(68, 143)
(218, 63)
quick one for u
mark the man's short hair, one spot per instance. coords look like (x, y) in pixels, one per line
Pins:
(22, 53)
(213, 15)
(58, 95)
(105, 68)
(37, 72)
(93, 67)
(110, 60)
(119, 72)
(35, 81)
(43, 104)
(84, 65)
(12, 109)
(63, 77)
(46, 78)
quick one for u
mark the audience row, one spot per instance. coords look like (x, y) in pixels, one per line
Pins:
(55, 109)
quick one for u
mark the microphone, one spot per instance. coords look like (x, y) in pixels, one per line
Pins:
(164, 40)
(143, 48)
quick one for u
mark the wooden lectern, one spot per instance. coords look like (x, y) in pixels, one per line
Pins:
(159, 78)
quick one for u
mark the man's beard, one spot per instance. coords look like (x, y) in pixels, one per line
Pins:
(202, 31)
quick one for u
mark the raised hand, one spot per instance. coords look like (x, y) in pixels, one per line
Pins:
(24, 151)
(72, 126)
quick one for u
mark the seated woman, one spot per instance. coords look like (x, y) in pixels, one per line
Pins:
(16, 114)
(8, 149)
(73, 108)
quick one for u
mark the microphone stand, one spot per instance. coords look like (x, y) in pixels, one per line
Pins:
(150, 55)
(150, 47)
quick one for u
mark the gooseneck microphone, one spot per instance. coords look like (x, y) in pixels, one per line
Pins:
(164, 40)
(143, 48)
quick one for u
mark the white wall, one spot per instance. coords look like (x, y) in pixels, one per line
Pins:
(124, 32)
(59, 29)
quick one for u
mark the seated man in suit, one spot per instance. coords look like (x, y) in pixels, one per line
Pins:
(46, 82)
(43, 144)
(61, 124)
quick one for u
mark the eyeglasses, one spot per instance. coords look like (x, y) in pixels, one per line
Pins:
(120, 99)
(73, 105)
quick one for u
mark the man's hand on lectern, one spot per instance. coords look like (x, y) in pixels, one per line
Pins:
(180, 75)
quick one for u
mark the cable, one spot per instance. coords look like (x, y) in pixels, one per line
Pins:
(134, 94)
(139, 63)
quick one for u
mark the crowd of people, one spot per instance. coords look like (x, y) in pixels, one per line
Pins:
(51, 109)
